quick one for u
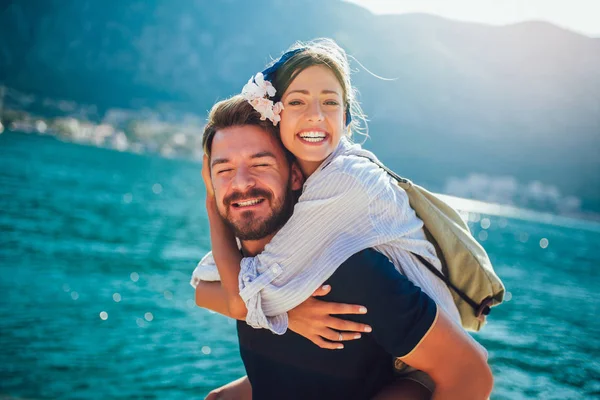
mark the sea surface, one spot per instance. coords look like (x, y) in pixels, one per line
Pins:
(96, 252)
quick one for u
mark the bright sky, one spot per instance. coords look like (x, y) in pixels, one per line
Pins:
(578, 15)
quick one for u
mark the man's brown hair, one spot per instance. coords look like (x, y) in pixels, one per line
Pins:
(235, 111)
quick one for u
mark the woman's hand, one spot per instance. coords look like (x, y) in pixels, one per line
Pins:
(210, 191)
(312, 319)
(211, 201)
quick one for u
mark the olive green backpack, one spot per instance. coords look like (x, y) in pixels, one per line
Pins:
(466, 267)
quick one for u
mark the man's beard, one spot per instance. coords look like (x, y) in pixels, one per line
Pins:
(248, 227)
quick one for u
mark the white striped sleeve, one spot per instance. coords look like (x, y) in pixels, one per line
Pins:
(206, 270)
(330, 223)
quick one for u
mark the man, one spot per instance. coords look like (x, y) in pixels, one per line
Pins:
(247, 160)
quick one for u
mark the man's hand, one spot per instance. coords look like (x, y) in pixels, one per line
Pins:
(237, 390)
(313, 320)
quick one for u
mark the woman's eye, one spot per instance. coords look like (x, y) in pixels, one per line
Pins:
(294, 103)
(332, 103)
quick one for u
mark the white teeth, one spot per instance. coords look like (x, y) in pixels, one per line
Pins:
(312, 135)
(248, 203)
(313, 140)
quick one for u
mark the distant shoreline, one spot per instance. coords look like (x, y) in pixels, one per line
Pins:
(591, 220)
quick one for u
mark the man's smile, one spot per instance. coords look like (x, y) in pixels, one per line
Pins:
(247, 203)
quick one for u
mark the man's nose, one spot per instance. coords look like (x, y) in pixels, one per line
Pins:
(315, 112)
(243, 179)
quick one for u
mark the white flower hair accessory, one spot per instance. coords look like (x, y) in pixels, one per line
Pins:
(257, 92)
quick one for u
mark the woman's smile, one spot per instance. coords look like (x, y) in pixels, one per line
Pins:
(313, 136)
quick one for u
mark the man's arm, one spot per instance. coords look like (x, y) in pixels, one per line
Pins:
(408, 324)
(453, 360)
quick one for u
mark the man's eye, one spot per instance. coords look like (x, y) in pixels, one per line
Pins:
(223, 171)
(261, 165)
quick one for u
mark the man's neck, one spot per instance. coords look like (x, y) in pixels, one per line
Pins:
(251, 248)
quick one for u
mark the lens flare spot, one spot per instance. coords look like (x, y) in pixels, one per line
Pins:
(134, 276)
(474, 217)
(544, 243)
(148, 316)
(206, 350)
(74, 295)
(117, 297)
(485, 223)
(103, 315)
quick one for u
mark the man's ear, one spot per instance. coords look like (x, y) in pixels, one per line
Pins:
(297, 176)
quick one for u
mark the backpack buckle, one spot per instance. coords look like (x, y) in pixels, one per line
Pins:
(484, 309)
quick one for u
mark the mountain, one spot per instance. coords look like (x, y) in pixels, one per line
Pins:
(521, 100)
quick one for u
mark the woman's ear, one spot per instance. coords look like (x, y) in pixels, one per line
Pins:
(297, 177)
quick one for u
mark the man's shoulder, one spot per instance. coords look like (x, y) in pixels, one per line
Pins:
(369, 270)
(368, 259)
(399, 311)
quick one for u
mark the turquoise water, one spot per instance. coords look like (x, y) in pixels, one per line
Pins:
(85, 231)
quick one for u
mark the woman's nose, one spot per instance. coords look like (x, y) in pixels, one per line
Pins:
(315, 113)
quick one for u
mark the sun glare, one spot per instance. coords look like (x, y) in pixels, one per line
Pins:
(576, 15)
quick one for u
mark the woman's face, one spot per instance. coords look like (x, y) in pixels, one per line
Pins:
(312, 121)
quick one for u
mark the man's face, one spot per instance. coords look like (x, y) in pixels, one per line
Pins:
(252, 180)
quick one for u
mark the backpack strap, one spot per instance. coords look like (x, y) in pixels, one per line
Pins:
(480, 309)
(459, 292)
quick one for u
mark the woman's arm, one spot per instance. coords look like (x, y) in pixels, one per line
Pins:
(224, 249)
(228, 258)
(331, 221)
(312, 319)
(212, 296)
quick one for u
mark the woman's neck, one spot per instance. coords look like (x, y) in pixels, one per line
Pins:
(309, 167)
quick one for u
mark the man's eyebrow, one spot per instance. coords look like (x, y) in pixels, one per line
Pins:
(216, 161)
(264, 154)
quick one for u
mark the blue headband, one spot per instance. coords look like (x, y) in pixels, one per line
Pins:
(269, 73)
